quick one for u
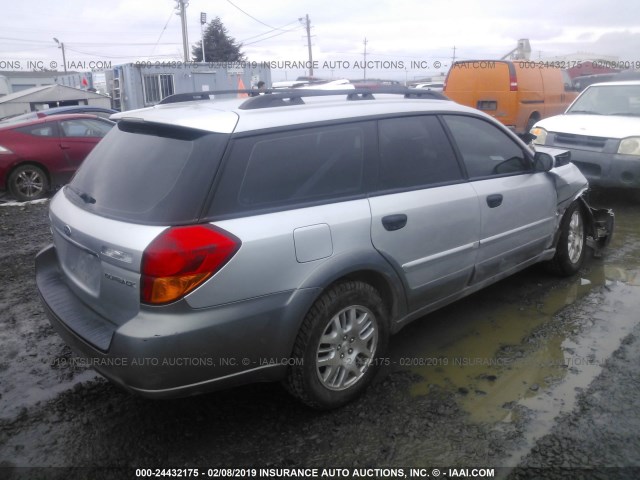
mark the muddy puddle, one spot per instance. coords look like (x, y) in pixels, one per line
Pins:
(516, 354)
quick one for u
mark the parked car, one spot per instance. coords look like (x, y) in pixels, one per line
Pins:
(583, 81)
(517, 93)
(340, 84)
(602, 131)
(208, 244)
(435, 86)
(88, 109)
(40, 154)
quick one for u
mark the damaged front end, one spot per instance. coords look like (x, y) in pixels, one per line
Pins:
(572, 186)
(600, 223)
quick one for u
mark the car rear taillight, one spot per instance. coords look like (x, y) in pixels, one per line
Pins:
(182, 258)
(513, 82)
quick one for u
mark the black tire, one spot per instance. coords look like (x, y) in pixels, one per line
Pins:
(634, 195)
(28, 182)
(339, 346)
(572, 243)
(531, 122)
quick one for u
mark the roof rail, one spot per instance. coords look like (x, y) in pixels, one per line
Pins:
(207, 95)
(284, 97)
(280, 98)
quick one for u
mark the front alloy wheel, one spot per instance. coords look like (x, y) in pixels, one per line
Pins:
(570, 250)
(575, 238)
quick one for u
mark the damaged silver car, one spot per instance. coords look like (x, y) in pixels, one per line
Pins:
(207, 243)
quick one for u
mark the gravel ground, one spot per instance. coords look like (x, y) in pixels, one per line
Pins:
(56, 414)
(602, 433)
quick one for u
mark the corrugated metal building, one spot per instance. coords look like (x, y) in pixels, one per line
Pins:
(48, 96)
(142, 85)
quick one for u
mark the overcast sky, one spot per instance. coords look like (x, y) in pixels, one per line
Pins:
(397, 31)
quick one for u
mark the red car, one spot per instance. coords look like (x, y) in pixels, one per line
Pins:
(39, 154)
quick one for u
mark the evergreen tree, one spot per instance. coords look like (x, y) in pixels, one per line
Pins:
(218, 45)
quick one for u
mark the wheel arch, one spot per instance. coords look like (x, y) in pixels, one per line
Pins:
(368, 268)
(533, 117)
(378, 281)
(562, 210)
(589, 220)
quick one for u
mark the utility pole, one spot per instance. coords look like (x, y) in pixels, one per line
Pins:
(307, 23)
(64, 58)
(180, 7)
(365, 58)
(453, 60)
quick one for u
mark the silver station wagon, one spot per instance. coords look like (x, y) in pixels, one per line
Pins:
(210, 242)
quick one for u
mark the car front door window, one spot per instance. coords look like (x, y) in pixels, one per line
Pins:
(485, 149)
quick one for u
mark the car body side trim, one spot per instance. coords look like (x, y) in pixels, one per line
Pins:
(436, 256)
(515, 230)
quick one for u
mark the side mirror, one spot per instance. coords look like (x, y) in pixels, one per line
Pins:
(563, 158)
(543, 162)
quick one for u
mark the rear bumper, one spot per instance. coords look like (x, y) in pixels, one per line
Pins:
(176, 351)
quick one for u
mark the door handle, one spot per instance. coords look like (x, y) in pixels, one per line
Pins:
(494, 200)
(394, 222)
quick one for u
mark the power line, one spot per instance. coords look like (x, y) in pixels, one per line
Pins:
(275, 35)
(23, 40)
(279, 28)
(85, 44)
(251, 16)
(162, 32)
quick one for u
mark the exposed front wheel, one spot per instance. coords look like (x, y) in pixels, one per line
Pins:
(571, 247)
(339, 344)
(28, 182)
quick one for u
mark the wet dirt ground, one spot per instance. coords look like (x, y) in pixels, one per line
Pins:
(534, 376)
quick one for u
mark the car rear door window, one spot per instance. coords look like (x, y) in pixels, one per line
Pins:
(415, 152)
(293, 168)
(39, 130)
(485, 149)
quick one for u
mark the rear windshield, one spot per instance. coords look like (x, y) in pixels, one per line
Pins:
(148, 173)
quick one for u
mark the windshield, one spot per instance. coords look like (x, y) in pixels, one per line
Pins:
(608, 100)
(148, 173)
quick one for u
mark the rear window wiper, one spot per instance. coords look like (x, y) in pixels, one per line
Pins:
(589, 112)
(85, 197)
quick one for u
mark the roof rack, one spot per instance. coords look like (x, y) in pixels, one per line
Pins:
(279, 98)
(207, 95)
(285, 97)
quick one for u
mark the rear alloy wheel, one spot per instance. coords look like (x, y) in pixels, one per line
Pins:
(571, 248)
(28, 182)
(340, 343)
